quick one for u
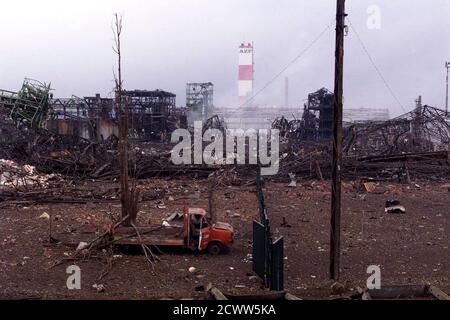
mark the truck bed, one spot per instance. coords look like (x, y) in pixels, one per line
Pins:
(152, 236)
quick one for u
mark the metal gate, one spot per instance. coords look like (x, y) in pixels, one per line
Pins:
(268, 255)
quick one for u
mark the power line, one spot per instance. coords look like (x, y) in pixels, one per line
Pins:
(288, 65)
(375, 67)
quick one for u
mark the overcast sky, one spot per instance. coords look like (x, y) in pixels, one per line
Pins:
(167, 43)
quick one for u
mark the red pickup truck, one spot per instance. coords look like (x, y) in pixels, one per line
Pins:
(196, 233)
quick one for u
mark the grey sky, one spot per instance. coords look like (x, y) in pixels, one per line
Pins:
(167, 43)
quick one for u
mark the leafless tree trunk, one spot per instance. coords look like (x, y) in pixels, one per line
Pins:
(128, 198)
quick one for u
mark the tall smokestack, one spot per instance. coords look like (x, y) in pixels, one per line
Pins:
(245, 72)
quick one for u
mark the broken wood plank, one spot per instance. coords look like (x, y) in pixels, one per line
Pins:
(399, 292)
(216, 293)
(437, 293)
(289, 296)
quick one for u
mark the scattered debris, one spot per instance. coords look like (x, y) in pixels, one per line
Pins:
(337, 288)
(370, 186)
(99, 287)
(82, 246)
(25, 177)
(177, 216)
(45, 216)
(166, 224)
(192, 270)
(394, 207)
(293, 182)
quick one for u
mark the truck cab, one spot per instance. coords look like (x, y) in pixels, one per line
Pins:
(201, 234)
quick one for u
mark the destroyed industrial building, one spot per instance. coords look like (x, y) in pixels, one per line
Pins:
(90, 183)
(153, 115)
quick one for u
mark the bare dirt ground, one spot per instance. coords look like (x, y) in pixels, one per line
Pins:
(411, 249)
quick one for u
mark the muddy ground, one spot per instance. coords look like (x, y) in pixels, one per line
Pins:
(411, 249)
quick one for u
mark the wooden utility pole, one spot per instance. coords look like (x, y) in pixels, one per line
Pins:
(447, 65)
(335, 233)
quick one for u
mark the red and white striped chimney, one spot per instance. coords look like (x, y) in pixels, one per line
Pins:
(245, 72)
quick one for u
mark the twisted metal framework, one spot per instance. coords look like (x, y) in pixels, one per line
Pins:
(199, 100)
(152, 113)
(29, 106)
(76, 108)
(424, 129)
(149, 112)
(316, 123)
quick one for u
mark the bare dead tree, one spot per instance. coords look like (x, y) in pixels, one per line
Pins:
(128, 198)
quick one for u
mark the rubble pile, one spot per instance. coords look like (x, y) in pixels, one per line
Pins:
(314, 162)
(13, 175)
(387, 151)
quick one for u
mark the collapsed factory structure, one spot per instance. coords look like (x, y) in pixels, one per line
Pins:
(153, 116)
(152, 113)
(425, 129)
(33, 114)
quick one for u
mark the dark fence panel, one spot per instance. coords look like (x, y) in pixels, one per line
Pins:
(259, 249)
(277, 266)
(268, 255)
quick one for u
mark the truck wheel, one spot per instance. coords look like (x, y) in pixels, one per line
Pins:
(215, 248)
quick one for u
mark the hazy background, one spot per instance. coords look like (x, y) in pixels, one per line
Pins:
(167, 43)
